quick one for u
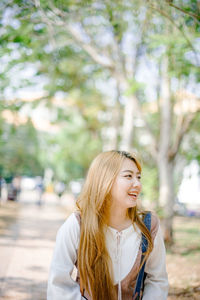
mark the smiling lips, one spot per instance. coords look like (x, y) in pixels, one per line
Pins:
(133, 194)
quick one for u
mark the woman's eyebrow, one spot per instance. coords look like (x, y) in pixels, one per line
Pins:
(130, 171)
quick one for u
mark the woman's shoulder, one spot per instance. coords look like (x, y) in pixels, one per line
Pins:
(77, 215)
(155, 222)
(68, 234)
(71, 224)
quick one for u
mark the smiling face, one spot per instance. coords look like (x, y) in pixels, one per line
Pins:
(126, 187)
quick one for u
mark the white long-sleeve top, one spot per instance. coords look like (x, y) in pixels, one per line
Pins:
(123, 249)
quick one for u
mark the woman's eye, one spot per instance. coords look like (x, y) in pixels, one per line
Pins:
(128, 176)
(139, 177)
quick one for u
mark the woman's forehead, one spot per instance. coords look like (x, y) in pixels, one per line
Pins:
(129, 164)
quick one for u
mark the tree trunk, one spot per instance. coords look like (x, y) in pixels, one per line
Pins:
(166, 195)
(128, 124)
(112, 132)
(165, 166)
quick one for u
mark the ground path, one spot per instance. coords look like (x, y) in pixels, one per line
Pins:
(27, 238)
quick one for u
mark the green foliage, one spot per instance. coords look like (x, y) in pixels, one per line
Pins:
(134, 87)
(150, 184)
(190, 148)
(71, 151)
(19, 151)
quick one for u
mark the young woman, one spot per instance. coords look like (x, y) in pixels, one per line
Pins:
(105, 239)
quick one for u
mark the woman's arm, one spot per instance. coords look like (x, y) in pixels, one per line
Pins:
(60, 284)
(156, 282)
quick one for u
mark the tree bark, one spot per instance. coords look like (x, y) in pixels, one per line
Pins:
(111, 141)
(165, 166)
(166, 195)
(128, 124)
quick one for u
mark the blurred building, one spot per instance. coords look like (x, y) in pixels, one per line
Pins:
(189, 191)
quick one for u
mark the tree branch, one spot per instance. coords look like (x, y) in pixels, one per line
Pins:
(183, 126)
(147, 128)
(89, 48)
(116, 44)
(194, 16)
(182, 32)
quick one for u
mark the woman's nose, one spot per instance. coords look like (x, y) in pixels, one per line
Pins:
(136, 182)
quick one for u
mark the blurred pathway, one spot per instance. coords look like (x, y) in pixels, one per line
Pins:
(27, 239)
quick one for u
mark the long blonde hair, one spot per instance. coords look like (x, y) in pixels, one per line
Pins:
(94, 262)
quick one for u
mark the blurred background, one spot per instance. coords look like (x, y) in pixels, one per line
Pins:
(81, 77)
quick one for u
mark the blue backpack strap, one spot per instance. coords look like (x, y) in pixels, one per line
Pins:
(140, 277)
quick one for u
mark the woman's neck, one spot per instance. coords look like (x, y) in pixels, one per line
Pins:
(119, 220)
